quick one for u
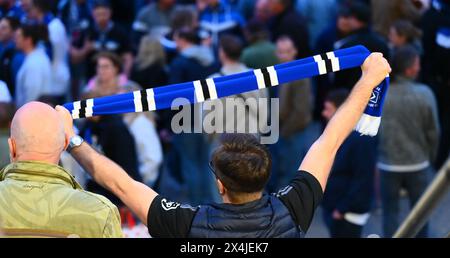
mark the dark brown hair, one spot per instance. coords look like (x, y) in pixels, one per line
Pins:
(402, 59)
(115, 59)
(408, 30)
(232, 46)
(337, 96)
(242, 163)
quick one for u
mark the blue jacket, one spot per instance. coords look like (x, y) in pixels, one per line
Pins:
(350, 187)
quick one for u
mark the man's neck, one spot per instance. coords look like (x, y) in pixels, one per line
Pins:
(28, 50)
(38, 158)
(103, 27)
(163, 7)
(230, 63)
(251, 197)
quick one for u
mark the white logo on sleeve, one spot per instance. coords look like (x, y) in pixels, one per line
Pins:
(168, 205)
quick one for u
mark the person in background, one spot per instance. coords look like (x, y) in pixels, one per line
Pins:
(387, 12)
(287, 21)
(349, 196)
(11, 8)
(318, 15)
(436, 60)
(403, 32)
(409, 137)
(109, 78)
(260, 52)
(189, 150)
(297, 129)
(11, 58)
(154, 19)
(142, 126)
(106, 35)
(355, 18)
(230, 50)
(110, 135)
(41, 12)
(40, 198)
(75, 15)
(218, 17)
(149, 68)
(35, 75)
(6, 114)
(181, 17)
(77, 18)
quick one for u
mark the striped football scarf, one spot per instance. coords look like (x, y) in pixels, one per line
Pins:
(210, 89)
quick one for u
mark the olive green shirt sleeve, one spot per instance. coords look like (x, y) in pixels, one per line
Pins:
(113, 227)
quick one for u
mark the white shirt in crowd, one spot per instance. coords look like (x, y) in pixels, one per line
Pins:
(148, 146)
(60, 49)
(34, 77)
(5, 96)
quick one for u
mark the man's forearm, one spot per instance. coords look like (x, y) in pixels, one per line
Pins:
(320, 157)
(348, 115)
(104, 171)
(137, 196)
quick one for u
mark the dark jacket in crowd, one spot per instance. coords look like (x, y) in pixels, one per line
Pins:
(292, 24)
(436, 66)
(116, 143)
(366, 37)
(151, 76)
(11, 60)
(350, 187)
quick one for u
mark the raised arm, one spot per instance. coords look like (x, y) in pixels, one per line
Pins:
(137, 196)
(320, 157)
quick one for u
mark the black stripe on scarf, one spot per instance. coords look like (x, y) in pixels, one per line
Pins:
(144, 100)
(328, 63)
(83, 108)
(266, 75)
(205, 89)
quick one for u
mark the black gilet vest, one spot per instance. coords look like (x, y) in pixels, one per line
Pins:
(267, 217)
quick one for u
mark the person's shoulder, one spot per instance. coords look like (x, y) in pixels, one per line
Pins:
(56, 24)
(94, 203)
(423, 90)
(147, 11)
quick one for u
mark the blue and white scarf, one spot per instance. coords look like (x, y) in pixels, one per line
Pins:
(209, 89)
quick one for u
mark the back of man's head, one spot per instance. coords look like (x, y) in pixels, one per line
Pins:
(189, 35)
(403, 59)
(37, 133)
(231, 46)
(35, 32)
(43, 6)
(255, 31)
(242, 164)
(356, 9)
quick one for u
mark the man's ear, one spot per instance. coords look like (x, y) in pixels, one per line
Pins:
(66, 142)
(221, 187)
(12, 149)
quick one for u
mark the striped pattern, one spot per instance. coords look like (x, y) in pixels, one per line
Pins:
(266, 77)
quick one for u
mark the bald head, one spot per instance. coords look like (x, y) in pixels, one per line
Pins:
(37, 133)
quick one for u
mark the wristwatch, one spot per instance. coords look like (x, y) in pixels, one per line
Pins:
(74, 142)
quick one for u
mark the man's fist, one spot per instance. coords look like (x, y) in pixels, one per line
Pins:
(375, 68)
(66, 118)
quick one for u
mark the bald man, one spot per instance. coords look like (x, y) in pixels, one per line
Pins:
(38, 198)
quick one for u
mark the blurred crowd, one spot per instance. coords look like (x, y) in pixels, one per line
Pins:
(60, 51)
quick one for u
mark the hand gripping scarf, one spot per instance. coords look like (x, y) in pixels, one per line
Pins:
(209, 89)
